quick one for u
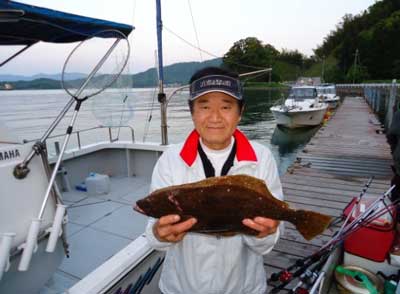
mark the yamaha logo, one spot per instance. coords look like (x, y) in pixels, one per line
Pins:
(9, 154)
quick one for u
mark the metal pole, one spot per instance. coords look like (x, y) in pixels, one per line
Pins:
(49, 130)
(16, 54)
(391, 104)
(69, 130)
(79, 139)
(255, 72)
(161, 95)
(57, 165)
(21, 168)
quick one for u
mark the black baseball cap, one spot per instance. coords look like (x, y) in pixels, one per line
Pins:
(216, 83)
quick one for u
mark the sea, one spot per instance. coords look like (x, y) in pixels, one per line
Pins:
(134, 114)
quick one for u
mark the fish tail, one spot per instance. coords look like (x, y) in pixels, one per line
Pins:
(310, 224)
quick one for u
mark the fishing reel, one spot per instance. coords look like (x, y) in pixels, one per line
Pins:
(286, 275)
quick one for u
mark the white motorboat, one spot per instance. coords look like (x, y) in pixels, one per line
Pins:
(327, 94)
(301, 109)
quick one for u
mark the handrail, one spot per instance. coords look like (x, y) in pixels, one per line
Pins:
(382, 85)
(78, 132)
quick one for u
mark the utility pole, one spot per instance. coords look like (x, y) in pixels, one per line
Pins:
(355, 66)
(323, 69)
(270, 73)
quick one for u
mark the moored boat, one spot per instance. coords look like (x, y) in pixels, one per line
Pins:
(301, 109)
(327, 93)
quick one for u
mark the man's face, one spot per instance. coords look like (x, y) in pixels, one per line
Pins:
(215, 117)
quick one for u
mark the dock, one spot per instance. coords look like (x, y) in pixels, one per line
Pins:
(332, 169)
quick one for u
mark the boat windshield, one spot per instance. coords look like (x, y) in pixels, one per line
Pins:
(326, 90)
(303, 93)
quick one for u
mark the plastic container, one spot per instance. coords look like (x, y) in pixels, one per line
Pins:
(97, 184)
(373, 266)
(372, 241)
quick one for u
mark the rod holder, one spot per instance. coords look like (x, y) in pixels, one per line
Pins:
(56, 229)
(30, 246)
(5, 247)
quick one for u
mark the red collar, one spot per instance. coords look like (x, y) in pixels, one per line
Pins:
(244, 150)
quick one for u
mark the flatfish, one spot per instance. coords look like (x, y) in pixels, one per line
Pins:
(221, 203)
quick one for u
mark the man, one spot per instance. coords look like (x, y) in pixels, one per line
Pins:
(200, 263)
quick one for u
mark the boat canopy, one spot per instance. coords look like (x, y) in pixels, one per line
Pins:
(23, 24)
(303, 92)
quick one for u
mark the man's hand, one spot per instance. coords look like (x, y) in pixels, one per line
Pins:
(167, 228)
(265, 226)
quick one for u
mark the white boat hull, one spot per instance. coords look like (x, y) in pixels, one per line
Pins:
(299, 119)
(333, 103)
(21, 201)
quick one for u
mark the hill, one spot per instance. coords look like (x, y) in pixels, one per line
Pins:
(177, 73)
(14, 78)
(36, 84)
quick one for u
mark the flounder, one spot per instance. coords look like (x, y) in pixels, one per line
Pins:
(221, 203)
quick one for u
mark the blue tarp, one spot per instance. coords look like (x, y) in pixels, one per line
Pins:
(23, 24)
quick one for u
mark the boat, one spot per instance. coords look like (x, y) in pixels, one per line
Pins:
(327, 93)
(301, 109)
(6, 87)
(33, 216)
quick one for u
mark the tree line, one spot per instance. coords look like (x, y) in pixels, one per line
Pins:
(361, 47)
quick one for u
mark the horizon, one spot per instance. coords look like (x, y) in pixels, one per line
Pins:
(301, 28)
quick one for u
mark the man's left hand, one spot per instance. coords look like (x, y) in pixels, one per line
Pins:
(265, 226)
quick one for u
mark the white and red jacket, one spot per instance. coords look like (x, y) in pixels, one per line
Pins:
(210, 264)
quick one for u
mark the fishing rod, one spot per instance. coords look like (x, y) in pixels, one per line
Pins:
(320, 256)
(288, 277)
(368, 215)
(282, 275)
(312, 277)
(309, 276)
(369, 218)
(371, 213)
(356, 202)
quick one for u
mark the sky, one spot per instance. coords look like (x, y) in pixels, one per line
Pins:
(285, 24)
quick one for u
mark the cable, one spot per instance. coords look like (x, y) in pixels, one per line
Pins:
(195, 30)
(150, 116)
(188, 43)
(204, 51)
(150, 112)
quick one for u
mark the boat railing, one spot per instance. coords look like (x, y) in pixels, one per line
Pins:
(80, 131)
(279, 102)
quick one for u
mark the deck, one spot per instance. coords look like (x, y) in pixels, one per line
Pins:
(98, 227)
(330, 171)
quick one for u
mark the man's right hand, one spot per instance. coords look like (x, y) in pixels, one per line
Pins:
(167, 228)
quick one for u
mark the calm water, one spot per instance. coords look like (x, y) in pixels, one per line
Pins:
(29, 113)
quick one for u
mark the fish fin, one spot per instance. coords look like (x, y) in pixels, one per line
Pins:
(310, 224)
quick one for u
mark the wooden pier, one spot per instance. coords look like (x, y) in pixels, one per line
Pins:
(329, 172)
